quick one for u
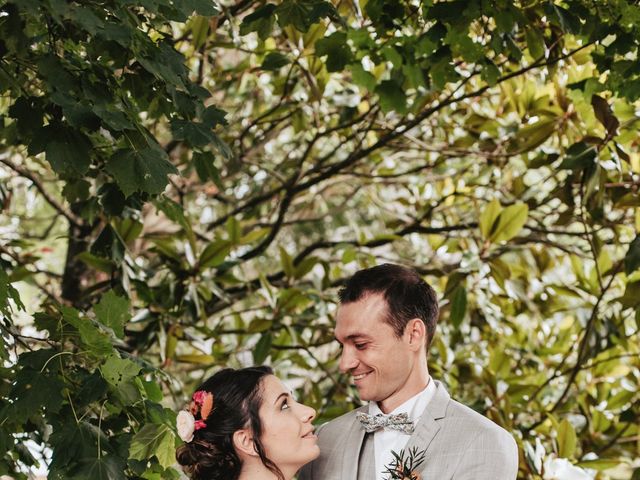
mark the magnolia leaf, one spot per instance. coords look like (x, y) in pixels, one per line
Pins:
(113, 312)
(488, 217)
(510, 222)
(287, 263)
(605, 115)
(632, 258)
(262, 348)
(214, 254)
(200, 30)
(275, 61)
(143, 170)
(579, 157)
(535, 42)
(154, 440)
(197, 359)
(458, 306)
(567, 439)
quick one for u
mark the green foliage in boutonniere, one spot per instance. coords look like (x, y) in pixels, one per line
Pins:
(405, 464)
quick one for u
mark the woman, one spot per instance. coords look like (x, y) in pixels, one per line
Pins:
(244, 424)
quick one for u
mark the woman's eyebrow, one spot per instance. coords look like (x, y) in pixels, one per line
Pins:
(283, 394)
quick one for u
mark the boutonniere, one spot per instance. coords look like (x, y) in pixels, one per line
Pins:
(405, 464)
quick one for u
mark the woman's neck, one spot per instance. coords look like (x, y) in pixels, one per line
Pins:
(257, 471)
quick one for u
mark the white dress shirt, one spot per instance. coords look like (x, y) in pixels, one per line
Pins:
(385, 440)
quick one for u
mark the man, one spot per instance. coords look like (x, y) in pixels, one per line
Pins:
(385, 323)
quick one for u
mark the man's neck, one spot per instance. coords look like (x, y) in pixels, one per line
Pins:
(409, 391)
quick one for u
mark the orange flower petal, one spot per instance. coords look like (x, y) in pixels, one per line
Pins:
(207, 406)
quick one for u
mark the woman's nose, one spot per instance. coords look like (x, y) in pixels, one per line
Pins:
(308, 413)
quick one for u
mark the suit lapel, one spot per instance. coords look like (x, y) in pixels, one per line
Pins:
(428, 426)
(353, 444)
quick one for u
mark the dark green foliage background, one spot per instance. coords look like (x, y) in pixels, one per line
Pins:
(184, 185)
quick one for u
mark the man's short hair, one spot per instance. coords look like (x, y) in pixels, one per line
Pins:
(407, 295)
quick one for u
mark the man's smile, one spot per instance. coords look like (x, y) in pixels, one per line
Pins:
(360, 376)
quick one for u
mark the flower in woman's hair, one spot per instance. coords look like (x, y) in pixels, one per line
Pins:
(198, 424)
(207, 406)
(198, 397)
(186, 425)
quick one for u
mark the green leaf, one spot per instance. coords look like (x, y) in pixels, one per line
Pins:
(117, 371)
(7, 291)
(105, 467)
(510, 222)
(200, 30)
(337, 50)
(204, 163)
(567, 439)
(535, 42)
(206, 8)
(96, 262)
(579, 157)
(488, 217)
(275, 61)
(34, 390)
(196, 134)
(458, 306)
(113, 312)
(214, 254)
(302, 14)
(154, 440)
(262, 348)
(361, 77)
(392, 96)
(260, 21)
(605, 115)
(96, 341)
(287, 263)
(68, 151)
(632, 258)
(143, 170)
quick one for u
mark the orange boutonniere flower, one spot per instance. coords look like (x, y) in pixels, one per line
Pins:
(406, 464)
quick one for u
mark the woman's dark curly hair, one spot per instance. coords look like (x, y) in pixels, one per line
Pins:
(237, 398)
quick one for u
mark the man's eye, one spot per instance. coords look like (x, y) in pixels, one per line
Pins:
(360, 346)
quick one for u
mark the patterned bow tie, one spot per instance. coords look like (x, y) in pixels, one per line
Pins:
(395, 421)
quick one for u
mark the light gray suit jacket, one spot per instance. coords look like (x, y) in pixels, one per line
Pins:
(460, 444)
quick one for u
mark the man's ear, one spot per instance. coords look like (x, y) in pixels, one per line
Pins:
(416, 333)
(243, 443)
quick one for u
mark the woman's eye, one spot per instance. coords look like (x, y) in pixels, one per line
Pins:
(285, 405)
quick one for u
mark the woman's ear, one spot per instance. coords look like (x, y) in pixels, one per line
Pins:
(243, 443)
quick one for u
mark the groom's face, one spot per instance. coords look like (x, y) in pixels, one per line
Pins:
(380, 363)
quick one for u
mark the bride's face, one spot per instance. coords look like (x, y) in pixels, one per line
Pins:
(287, 432)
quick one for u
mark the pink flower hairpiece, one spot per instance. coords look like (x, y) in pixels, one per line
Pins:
(201, 404)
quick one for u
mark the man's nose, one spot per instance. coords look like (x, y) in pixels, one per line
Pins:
(348, 360)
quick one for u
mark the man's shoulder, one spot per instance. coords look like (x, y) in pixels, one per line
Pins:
(473, 422)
